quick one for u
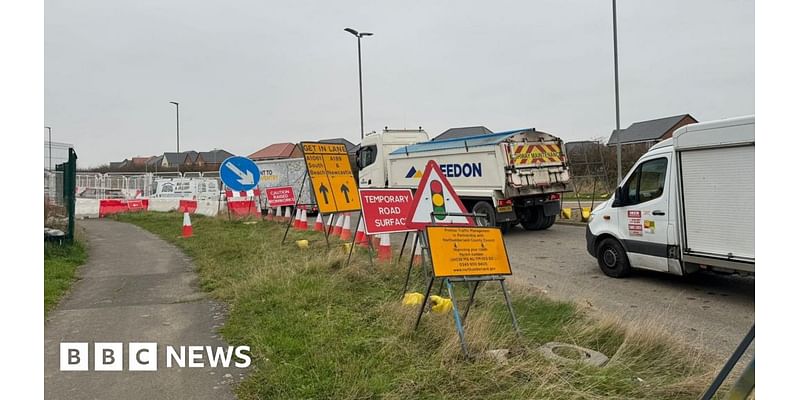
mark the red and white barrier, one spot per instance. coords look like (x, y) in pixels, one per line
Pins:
(243, 203)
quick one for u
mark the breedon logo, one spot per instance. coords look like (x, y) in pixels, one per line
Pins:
(465, 170)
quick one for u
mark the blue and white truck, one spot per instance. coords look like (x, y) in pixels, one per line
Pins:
(513, 177)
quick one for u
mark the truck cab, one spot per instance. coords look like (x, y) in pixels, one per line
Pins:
(371, 158)
(687, 204)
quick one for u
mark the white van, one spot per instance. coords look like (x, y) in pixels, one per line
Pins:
(687, 204)
(187, 188)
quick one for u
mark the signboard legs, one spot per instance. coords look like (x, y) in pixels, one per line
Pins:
(353, 243)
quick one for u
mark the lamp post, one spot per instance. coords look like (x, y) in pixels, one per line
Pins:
(177, 131)
(359, 35)
(616, 94)
(50, 146)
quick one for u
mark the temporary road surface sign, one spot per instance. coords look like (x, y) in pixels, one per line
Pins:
(280, 196)
(385, 210)
(467, 251)
(331, 177)
(435, 194)
(239, 173)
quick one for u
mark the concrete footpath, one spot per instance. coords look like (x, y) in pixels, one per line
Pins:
(135, 288)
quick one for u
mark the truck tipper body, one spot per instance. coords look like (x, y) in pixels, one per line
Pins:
(687, 204)
(511, 177)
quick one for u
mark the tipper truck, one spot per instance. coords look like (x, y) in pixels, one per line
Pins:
(687, 204)
(513, 177)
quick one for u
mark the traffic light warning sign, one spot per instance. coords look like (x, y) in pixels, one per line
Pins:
(436, 195)
(331, 177)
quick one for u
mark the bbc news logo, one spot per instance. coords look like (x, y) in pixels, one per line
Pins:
(109, 356)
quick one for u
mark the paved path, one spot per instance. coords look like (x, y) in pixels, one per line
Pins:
(135, 288)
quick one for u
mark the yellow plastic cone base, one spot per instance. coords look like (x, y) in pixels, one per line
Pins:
(566, 213)
(441, 305)
(412, 299)
(303, 244)
(585, 212)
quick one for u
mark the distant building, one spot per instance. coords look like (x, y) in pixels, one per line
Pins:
(650, 132)
(211, 158)
(466, 131)
(277, 151)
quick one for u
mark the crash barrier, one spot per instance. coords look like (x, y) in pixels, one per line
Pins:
(98, 208)
(189, 206)
(115, 206)
(242, 204)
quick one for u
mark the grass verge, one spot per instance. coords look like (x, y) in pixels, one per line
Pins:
(318, 329)
(60, 263)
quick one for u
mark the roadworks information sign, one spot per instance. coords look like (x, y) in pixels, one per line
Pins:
(331, 177)
(467, 251)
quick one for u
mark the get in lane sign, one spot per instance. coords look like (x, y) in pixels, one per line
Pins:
(467, 251)
(385, 210)
(331, 177)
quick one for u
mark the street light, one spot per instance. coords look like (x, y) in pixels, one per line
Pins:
(50, 146)
(616, 94)
(177, 131)
(359, 35)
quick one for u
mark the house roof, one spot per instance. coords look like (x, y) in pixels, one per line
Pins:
(462, 132)
(215, 156)
(646, 131)
(273, 151)
(138, 161)
(351, 148)
(155, 160)
(190, 156)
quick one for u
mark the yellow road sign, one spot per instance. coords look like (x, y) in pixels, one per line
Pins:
(467, 251)
(331, 177)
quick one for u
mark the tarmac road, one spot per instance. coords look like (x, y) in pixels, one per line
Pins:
(710, 311)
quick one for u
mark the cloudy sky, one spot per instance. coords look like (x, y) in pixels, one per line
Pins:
(249, 73)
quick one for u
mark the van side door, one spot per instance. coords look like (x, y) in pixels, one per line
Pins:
(643, 213)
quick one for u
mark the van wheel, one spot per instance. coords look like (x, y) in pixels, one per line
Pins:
(536, 220)
(612, 259)
(483, 207)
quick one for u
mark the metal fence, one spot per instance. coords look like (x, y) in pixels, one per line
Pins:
(113, 185)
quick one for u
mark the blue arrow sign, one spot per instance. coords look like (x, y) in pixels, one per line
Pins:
(239, 173)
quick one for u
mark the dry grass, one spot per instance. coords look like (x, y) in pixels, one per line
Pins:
(320, 329)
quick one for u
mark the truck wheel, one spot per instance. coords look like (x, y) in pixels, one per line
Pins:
(548, 222)
(536, 220)
(612, 259)
(483, 207)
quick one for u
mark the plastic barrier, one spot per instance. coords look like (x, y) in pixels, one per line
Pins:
(163, 205)
(112, 206)
(189, 206)
(136, 206)
(87, 208)
(243, 208)
(207, 207)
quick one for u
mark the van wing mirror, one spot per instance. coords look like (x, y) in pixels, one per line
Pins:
(618, 198)
(358, 158)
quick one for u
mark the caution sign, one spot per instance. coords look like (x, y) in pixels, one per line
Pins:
(467, 251)
(331, 177)
(435, 195)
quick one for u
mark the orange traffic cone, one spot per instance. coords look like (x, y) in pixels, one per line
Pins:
(346, 235)
(337, 229)
(376, 241)
(287, 214)
(296, 222)
(269, 214)
(187, 225)
(303, 220)
(385, 248)
(361, 237)
(318, 225)
(417, 251)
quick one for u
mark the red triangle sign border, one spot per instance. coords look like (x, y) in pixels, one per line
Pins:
(430, 167)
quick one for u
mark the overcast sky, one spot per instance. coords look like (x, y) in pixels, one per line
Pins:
(251, 73)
